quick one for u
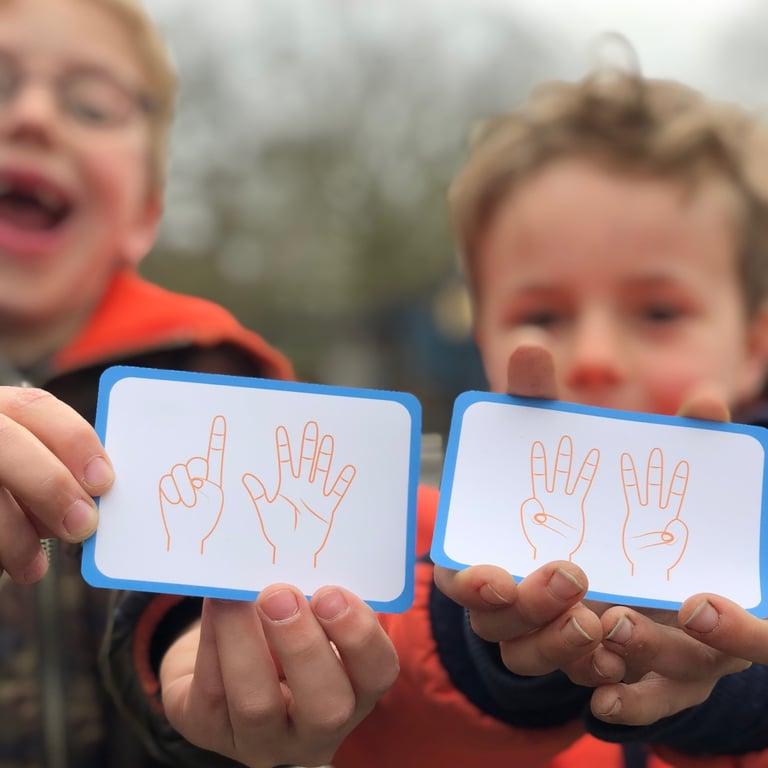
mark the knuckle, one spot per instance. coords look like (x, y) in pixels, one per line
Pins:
(54, 485)
(336, 716)
(486, 627)
(23, 397)
(520, 663)
(303, 649)
(256, 712)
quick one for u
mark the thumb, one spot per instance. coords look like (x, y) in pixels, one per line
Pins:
(255, 488)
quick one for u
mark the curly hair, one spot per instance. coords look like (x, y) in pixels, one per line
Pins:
(628, 124)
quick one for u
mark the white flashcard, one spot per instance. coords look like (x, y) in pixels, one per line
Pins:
(225, 485)
(653, 508)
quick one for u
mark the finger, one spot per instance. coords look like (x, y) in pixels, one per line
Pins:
(323, 462)
(677, 533)
(367, 652)
(726, 626)
(183, 481)
(534, 516)
(531, 372)
(42, 485)
(654, 478)
(343, 481)
(706, 404)
(678, 487)
(323, 700)
(308, 450)
(647, 701)
(63, 431)
(254, 696)
(20, 552)
(216, 443)
(587, 473)
(255, 488)
(480, 587)
(539, 599)
(168, 489)
(193, 693)
(647, 646)
(539, 485)
(561, 480)
(564, 640)
(284, 459)
(197, 469)
(599, 667)
(629, 482)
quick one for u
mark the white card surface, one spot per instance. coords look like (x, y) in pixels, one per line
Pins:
(653, 508)
(226, 485)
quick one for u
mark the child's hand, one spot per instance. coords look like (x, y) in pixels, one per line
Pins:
(280, 680)
(723, 625)
(666, 671)
(51, 463)
(541, 624)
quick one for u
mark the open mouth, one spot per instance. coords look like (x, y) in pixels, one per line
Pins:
(32, 204)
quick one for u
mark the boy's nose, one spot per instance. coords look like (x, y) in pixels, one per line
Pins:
(596, 361)
(31, 116)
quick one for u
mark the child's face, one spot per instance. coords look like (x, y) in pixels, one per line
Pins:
(74, 191)
(632, 286)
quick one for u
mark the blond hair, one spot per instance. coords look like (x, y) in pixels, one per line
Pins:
(161, 81)
(628, 124)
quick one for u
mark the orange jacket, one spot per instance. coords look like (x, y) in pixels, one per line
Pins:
(136, 316)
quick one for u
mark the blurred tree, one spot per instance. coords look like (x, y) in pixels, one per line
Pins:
(313, 149)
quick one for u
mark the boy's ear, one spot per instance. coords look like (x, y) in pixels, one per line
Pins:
(757, 353)
(143, 231)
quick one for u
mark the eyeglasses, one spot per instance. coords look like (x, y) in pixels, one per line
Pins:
(91, 97)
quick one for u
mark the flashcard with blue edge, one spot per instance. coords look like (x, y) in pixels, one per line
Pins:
(653, 508)
(226, 485)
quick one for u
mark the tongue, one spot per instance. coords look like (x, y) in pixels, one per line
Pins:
(24, 214)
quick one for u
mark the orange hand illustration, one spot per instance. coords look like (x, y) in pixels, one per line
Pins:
(191, 494)
(299, 515)
(553, 518)
(654, 537)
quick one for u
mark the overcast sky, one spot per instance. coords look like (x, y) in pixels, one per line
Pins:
(681, 39)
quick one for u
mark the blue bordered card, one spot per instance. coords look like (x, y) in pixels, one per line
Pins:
(653, 508)
(227, 484)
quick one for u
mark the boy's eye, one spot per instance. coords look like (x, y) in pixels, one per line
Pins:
(542, 318)
(661, 313)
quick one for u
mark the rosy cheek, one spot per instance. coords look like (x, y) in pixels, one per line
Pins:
(666, 392)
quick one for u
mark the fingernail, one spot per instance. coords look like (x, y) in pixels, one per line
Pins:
(36, 569)
(98, 472)
(281, 605)
(621, 632)
(612, 709)
(491, 595)
(564, 585)
(81, 519)
(703, 619)
(575, 633)
(596, 667)
(331, 605)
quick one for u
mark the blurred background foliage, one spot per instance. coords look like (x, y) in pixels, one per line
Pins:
(315, 141)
